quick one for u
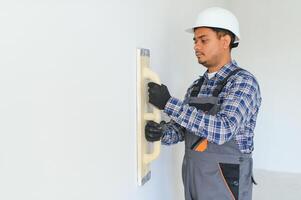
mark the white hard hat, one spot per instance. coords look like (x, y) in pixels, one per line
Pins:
(216, 17)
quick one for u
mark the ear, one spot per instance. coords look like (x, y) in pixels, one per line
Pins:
(226, 41)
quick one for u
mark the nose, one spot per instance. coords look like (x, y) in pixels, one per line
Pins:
(197, 46)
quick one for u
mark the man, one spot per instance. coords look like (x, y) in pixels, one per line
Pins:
(217, 117)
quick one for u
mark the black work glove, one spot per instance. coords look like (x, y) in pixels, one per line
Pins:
(158, 95)
(154, 131)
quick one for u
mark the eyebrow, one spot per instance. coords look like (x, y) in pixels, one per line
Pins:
(199, 37)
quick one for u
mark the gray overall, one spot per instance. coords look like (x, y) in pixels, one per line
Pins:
(221, 172)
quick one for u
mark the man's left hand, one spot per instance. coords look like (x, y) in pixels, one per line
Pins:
(158, 95)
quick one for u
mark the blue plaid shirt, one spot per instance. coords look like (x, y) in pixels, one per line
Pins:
(240, 101)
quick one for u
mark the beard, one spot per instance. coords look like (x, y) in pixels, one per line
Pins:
(204, 62)
(209, 62)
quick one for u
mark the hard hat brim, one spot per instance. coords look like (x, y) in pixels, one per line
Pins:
(190, 30)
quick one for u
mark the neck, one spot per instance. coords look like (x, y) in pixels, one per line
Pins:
(220, 64)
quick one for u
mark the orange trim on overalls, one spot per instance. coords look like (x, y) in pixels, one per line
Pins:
(225, 182)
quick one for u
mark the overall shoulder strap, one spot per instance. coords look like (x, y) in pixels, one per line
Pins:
(222, 83)
(197, 87)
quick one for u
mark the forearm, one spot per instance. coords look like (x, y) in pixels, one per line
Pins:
(217, 129)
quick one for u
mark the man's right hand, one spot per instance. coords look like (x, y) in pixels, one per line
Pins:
(154, 131)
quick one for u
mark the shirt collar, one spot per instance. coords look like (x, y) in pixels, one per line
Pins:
(224, 71)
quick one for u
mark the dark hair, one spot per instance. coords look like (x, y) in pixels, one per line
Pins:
(222, 32)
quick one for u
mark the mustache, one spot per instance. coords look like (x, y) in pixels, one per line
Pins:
(198, 53)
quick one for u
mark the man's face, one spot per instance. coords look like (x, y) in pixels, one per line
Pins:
(209, 49)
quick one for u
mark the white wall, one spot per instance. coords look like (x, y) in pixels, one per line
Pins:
(67, 83)
(270, 48)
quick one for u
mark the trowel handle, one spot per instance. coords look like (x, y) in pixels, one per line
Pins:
(155, 116)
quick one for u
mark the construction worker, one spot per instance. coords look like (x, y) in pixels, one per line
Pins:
(217, 117)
